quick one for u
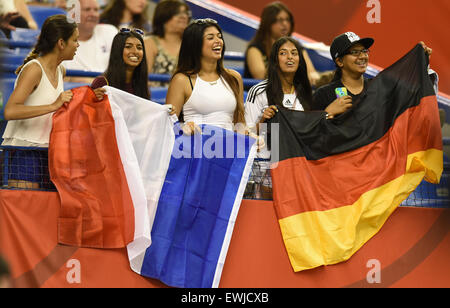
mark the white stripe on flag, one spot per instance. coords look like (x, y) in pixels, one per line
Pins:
(145, 137)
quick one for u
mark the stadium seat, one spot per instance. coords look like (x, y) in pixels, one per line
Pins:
(72, 85)
(15, 59)
(21, 34)
(158, 95)
(41, 13)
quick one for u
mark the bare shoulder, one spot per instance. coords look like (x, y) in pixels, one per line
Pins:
(150, 44)
(31, 74)
(181, 79)
(253, 51)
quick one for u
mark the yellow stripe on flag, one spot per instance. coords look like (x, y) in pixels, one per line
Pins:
(328, 237)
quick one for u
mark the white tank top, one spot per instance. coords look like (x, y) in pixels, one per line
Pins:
(35, 131)
(211, 103)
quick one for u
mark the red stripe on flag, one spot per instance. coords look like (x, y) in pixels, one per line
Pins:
(85, 165)
(300, 185)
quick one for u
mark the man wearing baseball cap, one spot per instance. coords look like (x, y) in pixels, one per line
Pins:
(350, 53)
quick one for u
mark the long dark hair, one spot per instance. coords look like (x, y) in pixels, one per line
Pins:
(189, 59)
(268, 18)
(54, 28)
(116, 71)
(113, 14)
(302, 86)
(164, 12)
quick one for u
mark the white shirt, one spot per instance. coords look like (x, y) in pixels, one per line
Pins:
(211, 103)
(255, 104)
(93, 54)
(35, 131)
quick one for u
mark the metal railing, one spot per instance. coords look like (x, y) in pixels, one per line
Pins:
(26, 168)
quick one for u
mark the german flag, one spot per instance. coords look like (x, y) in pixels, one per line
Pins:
(337, 181)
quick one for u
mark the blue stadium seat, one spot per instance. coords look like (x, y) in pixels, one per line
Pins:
(15, 59)
(21, 34)
(41, 13)
(158, 95)
(72, 85)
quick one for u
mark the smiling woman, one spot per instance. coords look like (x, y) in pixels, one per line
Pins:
(287, 86)
(127, 68)
(202, 89)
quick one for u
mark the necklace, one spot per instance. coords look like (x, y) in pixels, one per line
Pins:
(212, 82)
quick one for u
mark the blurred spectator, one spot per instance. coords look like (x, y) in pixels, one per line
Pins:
(5, 275)
(127, 14)
(170, 19)
(6, 19)
(276, 21)
(95, 41)
(23, 20)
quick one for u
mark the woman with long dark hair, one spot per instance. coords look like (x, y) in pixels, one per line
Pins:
(127, 68)
(288, 87)
(201, 88)
(38, 92)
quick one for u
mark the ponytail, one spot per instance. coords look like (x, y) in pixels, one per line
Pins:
(54, 28)
(31, 56)
(337, 74)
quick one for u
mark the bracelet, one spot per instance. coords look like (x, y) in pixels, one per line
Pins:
(327, 116)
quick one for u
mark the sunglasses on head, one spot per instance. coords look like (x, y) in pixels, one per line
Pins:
(135, 30)
(204, 21)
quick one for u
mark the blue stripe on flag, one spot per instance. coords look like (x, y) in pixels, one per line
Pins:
(194, 209)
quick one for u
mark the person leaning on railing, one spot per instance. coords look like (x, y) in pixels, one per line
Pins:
(37, 94)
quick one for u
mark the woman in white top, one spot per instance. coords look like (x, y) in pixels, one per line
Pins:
(287, 86)
(201, 88)
(38, 93)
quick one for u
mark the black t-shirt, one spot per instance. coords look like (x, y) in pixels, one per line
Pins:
(326, 94)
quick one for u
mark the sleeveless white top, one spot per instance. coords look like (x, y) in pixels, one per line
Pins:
(35, 131)
(211, 103)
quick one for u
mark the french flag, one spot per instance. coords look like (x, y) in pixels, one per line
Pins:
(127, 176)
